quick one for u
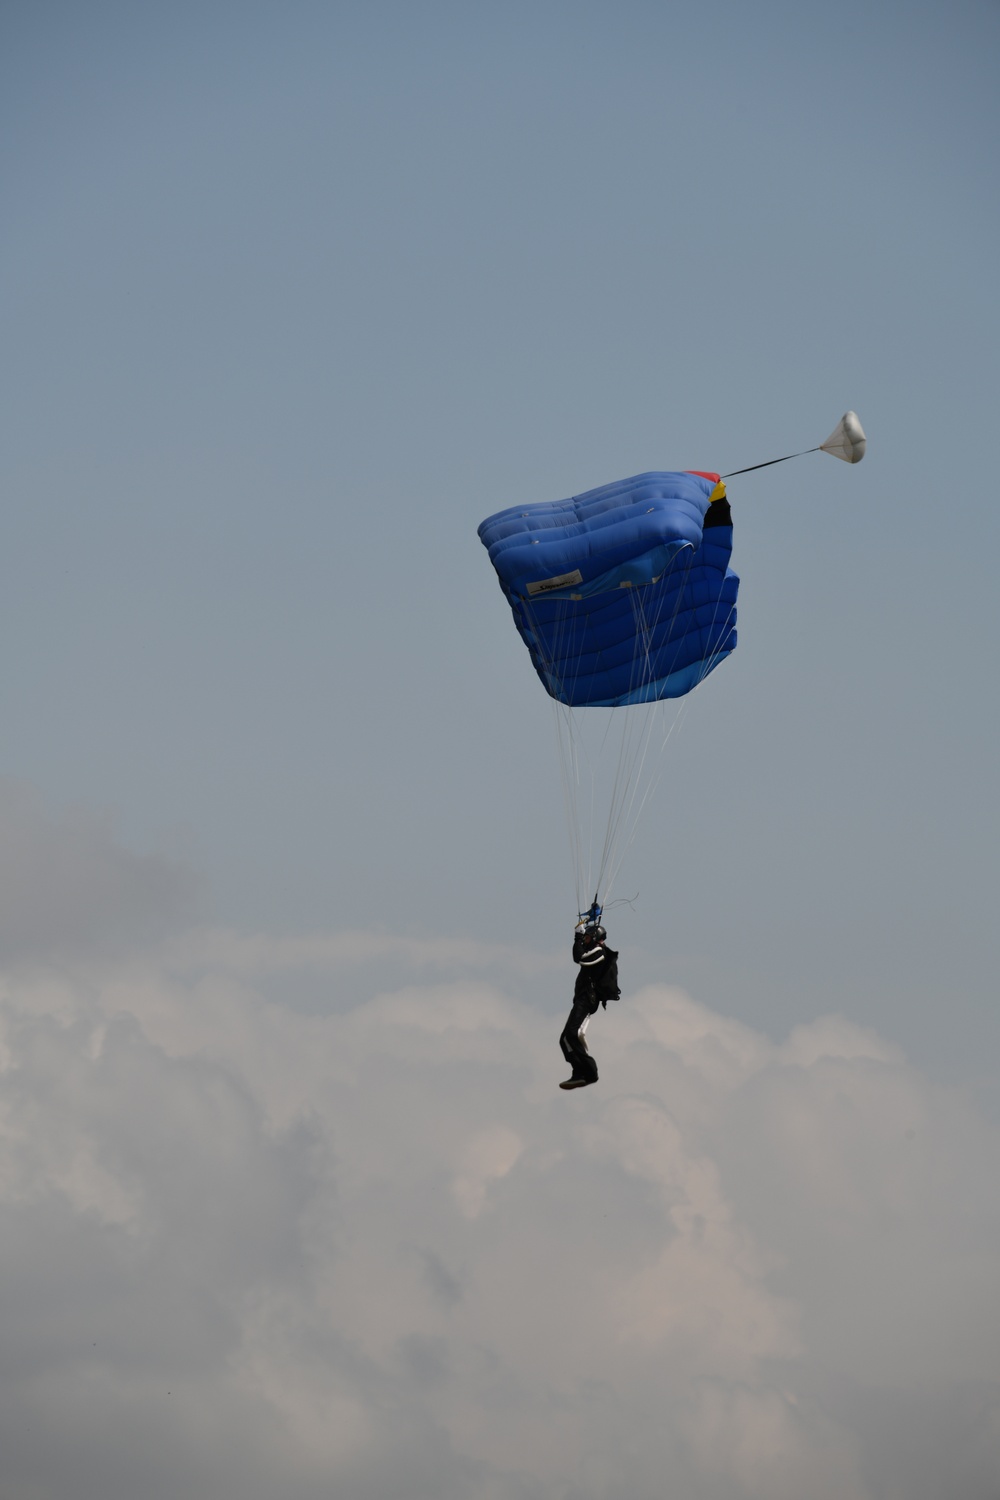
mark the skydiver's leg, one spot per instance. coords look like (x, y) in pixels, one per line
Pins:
(590, 1063)
(574, 1046)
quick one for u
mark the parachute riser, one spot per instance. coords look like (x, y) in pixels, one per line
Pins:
(593, 915)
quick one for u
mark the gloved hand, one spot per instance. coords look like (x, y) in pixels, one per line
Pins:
(581, 926)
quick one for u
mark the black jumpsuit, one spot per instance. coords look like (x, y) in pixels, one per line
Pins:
(597, 981)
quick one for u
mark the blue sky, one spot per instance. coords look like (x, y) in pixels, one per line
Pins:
(294, 296)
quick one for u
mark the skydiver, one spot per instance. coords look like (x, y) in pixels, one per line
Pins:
(596, 984)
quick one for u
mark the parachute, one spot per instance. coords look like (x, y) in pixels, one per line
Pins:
(622, 595)
(626, 601)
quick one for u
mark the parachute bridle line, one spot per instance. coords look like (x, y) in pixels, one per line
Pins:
(733, 472)
(846, 441)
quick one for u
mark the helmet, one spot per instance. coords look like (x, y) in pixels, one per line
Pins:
(596, 934)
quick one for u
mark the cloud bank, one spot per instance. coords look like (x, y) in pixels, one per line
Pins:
(370, 1250)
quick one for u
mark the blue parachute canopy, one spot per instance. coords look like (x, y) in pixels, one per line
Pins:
(624, 594)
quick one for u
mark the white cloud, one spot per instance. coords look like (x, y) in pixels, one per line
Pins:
(68, 887)
(367, 1247)
(488, 1157)
(377, 1252)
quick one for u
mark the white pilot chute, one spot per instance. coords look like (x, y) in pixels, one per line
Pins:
(847, 440)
